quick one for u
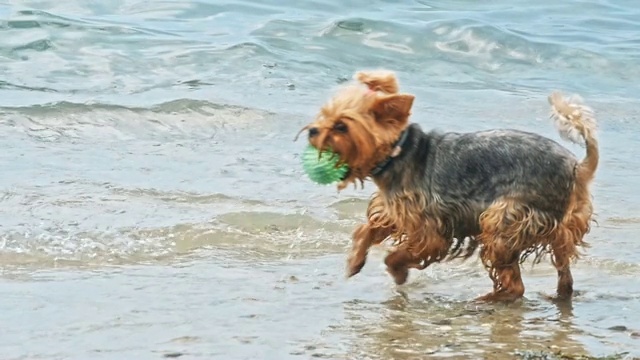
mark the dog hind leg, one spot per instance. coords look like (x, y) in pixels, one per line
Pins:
(507, 280)
(568, 237)
(507, 227)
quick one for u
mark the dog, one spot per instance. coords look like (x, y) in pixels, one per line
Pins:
(443, 195)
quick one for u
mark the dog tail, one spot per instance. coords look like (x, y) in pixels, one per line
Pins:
(576, 123)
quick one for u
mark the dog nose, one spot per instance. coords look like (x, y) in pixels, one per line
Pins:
(313, 132)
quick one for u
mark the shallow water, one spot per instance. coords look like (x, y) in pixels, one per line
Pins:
(153, 203)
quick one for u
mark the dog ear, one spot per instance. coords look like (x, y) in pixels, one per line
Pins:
(393, 108)
(379, 80)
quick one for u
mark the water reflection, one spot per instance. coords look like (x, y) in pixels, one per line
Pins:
(408, 327)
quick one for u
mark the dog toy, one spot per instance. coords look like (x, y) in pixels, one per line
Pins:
(323, 168)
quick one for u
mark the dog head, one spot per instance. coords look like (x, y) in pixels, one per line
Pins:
(362, 122)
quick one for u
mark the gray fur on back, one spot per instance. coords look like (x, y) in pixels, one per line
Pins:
(463, 173)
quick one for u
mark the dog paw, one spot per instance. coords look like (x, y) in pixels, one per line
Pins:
(399, 274)
(354, 269)
(485, 298)
(354, 265)
(499, 297)
(558, 298)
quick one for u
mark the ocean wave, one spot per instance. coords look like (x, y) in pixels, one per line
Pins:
(259, 234)
(500, 49)
(228, 49)
(184, 116)
(172, 106)
(246, 235)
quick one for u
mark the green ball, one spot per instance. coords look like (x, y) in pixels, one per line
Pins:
(325, 169)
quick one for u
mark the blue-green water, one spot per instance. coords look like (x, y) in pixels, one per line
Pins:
(152, 201)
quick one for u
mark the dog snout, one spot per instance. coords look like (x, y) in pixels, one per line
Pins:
(313, 132)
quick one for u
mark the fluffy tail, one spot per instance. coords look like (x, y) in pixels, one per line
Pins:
(576, 122)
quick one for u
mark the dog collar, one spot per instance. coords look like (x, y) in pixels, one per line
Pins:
(397, 149)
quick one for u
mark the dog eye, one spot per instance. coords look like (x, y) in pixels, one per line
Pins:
(340, 127)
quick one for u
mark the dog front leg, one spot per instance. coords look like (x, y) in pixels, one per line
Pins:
(434, 248)
(365, 236)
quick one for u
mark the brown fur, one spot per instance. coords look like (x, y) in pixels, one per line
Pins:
(507, 231)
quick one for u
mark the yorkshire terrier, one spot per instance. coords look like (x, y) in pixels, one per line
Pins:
(442, 196)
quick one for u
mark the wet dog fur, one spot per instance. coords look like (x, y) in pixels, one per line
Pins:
(441, 196)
